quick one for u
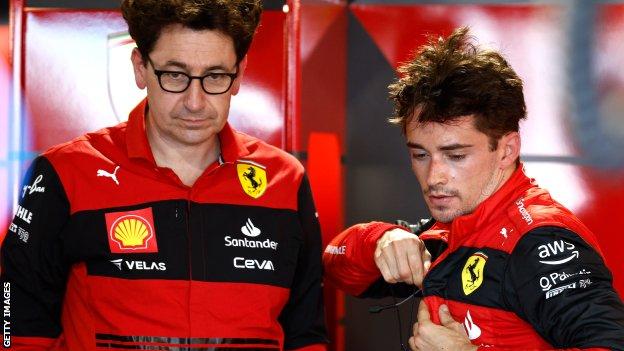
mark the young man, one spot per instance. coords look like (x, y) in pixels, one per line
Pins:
(171, 231)
(512, 269)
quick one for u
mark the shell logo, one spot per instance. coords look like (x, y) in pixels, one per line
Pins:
(131, 232)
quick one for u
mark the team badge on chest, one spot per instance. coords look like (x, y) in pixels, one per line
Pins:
(252, 177)
(131, 231)
(472, 274)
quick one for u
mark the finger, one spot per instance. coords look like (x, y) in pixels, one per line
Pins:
(426, 260)
(415, 262)
(423, 312)
(412, 344)
(387, 255)
(446, 319)
(385, 270)
(415, 329)
(402, 256)
(445, 316)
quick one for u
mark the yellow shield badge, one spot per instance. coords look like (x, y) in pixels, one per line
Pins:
(252, 177)
(472, 274)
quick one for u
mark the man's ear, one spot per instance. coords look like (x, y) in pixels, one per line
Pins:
(140, 68)
(241, 71)
(509, 149)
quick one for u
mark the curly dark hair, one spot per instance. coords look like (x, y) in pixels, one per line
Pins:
(451, 77)
(236, 18)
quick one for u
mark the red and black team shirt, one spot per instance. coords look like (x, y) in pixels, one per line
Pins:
(107, 251)
(521, 273)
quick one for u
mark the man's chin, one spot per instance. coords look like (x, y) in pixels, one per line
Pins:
(444, 215)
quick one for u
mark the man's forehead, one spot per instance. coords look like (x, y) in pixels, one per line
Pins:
(434, 134)
(192, 47)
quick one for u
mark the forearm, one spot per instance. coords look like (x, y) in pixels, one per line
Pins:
(349, 258)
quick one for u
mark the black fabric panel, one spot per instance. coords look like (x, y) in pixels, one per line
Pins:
(303, 317)
(560, 285)
(203, 242)
(214, 226)
(87, 241)
(445, 279)
(34, 271)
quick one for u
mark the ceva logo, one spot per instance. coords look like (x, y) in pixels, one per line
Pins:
(242, 263)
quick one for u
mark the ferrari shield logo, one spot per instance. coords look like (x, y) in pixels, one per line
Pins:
(252, 177)
(472, 274)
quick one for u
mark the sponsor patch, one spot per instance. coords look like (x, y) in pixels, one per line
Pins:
(243, 263)
(473, 330)
(24, 214)
(252, 177)
(336, 250)
(131, 231)
(250, 230)
(547, 282)
(472, 274)
(557, 252)
(523, 212)
(559, 290)
(34, 187)
(106, 174)
(122, 265)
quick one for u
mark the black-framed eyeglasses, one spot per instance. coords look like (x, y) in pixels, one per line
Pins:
(213, 83)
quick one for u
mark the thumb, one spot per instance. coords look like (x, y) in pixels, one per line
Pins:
(447, 320)
(445, 316)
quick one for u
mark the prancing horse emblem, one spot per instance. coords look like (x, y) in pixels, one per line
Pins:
(472, 274)
(252, 177)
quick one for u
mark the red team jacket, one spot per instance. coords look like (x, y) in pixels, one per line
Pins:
(107, 251)
(521, 273)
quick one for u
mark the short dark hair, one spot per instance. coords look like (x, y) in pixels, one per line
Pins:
(451, 77)
(235, 18)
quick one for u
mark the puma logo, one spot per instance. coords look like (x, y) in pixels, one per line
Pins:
(113, 176)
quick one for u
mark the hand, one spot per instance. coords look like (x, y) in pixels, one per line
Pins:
(432, 337)
(402, 257)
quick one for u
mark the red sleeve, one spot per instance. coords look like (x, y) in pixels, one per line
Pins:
(348, 260)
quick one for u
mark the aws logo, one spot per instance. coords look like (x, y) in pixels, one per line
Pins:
(131, 231)
(252, 177)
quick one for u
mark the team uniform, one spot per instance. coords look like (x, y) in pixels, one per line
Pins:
(107, 251)
(521, 272)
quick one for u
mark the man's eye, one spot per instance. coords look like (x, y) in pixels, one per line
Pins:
(457, 157)
(175, 76)
(419, 156)
(215, 77)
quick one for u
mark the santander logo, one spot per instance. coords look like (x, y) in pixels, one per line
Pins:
(472, 329)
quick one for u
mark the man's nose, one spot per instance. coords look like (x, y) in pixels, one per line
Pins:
(437, 173)
(195, 96)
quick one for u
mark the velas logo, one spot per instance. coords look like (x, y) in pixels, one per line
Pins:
(131, 231)
(472, 274)
(252, 177)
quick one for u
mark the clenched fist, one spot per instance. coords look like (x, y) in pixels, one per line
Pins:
(402, 257)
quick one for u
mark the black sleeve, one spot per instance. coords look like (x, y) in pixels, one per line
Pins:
(560, 285)
(303, 317)
(33, 268)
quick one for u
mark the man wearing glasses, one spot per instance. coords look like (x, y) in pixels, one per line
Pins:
(504, 266)
(171, 231)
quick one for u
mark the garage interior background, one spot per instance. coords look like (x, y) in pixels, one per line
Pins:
(318, 89)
